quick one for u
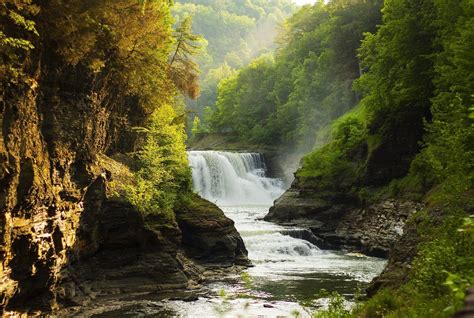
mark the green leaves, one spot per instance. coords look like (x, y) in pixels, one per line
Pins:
(18, 19)
(457, 285)
(163, 171)
(468, 226)
(288, 101)
(184, 69)
(16, 37)
(15, 42)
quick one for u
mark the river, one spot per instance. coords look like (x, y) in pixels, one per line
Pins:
(288, 271)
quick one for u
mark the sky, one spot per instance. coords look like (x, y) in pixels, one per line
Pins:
(301, 2)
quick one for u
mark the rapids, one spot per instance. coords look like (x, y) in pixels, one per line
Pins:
(287, 271)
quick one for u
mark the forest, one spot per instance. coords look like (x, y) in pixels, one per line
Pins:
(116, 199)
(233, 33)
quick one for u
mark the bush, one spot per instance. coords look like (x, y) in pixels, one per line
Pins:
(163, 170)
(336, 308)
(333, 166)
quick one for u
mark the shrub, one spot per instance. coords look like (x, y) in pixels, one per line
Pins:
(163, 170)
(333, 165)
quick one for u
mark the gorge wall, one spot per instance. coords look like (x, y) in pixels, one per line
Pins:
(63, 239)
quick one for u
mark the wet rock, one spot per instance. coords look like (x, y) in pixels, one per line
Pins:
(304, 234)
(208, 235)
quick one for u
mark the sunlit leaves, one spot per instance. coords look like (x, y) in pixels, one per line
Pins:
(17, 35)
(163, 166)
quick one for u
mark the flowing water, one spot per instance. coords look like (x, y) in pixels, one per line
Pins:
(288, 271)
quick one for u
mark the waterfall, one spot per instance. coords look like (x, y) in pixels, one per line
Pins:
(227, 178)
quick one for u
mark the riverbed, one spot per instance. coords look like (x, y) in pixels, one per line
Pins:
(289, 275)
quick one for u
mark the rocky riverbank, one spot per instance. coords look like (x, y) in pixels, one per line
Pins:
(337, 220)
(372, 230)
(141, 258)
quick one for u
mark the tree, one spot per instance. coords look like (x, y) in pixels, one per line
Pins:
(163, 172)
(183, 66)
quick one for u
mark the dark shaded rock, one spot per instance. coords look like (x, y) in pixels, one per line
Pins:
(296, 208)
(137, 258)
(208, 235)
(304, 234)
(468, 309)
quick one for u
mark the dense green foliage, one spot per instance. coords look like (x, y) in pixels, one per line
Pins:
(235, 31)
(309, 83)
(416, 78)
(163, 172)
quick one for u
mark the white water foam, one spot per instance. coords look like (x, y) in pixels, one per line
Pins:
(227, 178)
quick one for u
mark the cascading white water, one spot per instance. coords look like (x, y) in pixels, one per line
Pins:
(227, 178)
(286, 268)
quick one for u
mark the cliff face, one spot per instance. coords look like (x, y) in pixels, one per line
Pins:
(57, 225)
(48, 184)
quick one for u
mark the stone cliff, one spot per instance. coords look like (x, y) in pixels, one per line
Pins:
(63, 239)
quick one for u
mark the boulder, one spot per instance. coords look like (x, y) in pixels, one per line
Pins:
(208, 235)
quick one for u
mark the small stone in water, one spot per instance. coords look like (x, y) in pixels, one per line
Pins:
(268, 306)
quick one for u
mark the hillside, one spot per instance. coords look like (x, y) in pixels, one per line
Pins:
(234, 33)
